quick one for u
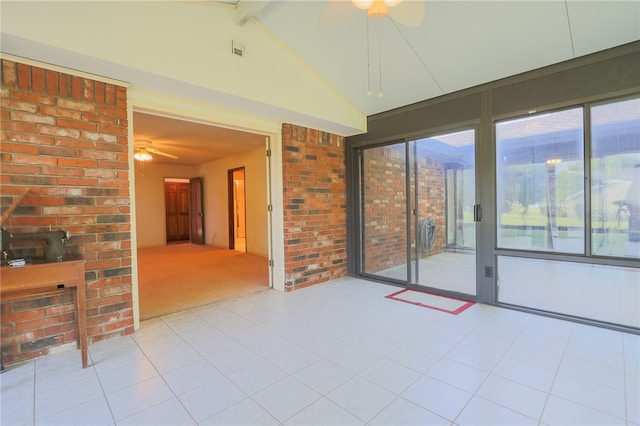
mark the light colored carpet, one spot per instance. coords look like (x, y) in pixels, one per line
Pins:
(182, 276)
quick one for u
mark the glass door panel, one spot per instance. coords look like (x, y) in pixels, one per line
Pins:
(443, 199)
(384, 211)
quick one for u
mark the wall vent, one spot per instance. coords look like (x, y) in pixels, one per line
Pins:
(237, 48)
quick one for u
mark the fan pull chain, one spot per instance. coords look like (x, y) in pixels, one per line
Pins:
(379, 41)
(380, 94)
(368, 61)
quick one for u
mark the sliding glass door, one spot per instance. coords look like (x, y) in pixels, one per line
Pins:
(384, 211)
(443, 199)
(417, 212)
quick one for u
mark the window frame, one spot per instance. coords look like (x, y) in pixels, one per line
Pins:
(587, 256)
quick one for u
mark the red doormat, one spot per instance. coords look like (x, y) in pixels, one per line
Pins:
(431, 301)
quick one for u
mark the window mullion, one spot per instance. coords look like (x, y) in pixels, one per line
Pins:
(587, 181)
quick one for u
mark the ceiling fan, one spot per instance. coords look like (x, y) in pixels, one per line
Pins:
(405, 12)
(143, 151)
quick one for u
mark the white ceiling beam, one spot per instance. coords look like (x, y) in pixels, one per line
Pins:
(247, 9)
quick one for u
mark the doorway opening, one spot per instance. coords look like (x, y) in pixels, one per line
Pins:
(237, 210)
(200, 269)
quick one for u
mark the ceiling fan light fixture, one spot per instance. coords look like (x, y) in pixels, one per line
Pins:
(142, 155)
(375, 8)
(378, 9)
(363, 4)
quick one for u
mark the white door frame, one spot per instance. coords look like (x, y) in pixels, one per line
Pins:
(159, 104)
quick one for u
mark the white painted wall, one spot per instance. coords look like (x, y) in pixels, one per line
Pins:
(256, 184)
(150, 203)
(181, 49)
(216, 206)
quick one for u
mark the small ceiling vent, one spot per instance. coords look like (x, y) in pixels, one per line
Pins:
(237, 48)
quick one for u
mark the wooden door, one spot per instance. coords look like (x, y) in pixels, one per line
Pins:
(177, 211)
(196, 213)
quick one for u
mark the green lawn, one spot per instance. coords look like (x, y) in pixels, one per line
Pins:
(510, 219)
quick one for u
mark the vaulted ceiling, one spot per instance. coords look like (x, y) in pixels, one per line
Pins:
(457, 45)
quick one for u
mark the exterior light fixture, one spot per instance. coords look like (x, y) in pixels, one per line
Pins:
(554, 161)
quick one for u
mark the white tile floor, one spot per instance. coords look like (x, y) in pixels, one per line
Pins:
(336, 354)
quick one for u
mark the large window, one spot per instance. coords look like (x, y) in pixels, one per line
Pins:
(568, 183)
(549, 218)
(615, 178)
(540, 181)
(542, 203)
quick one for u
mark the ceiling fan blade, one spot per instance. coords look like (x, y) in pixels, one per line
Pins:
(334, 12)
(408, 12)
(164, 154)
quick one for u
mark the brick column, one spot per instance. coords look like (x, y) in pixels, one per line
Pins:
(314, 206)
(65, 138)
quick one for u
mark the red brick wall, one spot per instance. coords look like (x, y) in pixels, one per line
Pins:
(65, 138)
(385, 209)
(432, 195)
(315, 217)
